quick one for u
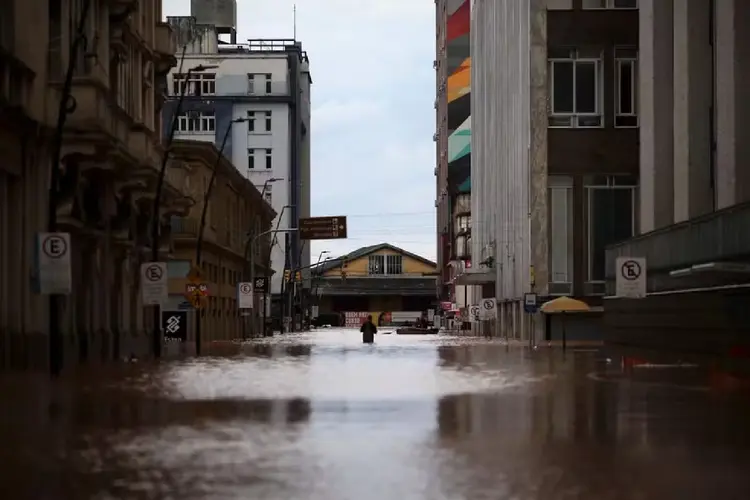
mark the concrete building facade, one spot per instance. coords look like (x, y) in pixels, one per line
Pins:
(695, 195)
(554, 151)
(235, 205)
(268, 83)
(453, 155)
(111, 150)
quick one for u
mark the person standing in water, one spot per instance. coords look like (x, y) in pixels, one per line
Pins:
(368, 330)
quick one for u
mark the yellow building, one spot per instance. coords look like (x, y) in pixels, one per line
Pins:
(380, 280)
(235, 210)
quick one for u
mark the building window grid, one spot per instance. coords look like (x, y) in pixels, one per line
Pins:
(561, 229)
(609, 4)
(197, 84)
(259, 122)
(196, 122)
(610, 183)
(574, 118)
(260, 83)
(626, 89)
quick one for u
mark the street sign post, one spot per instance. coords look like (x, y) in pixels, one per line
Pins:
(260, 285)
(54, 265)
(196, 290)
(488, 308)
(323, 228)
(530, 303)
(631, 277)
(174, 325)
(474, 311)
(245, 295)
(154, 283)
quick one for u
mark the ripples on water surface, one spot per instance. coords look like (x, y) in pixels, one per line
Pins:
(322, 416)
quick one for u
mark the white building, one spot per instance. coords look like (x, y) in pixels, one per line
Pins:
(267, 83)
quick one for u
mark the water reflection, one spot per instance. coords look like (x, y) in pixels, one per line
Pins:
(324, 417)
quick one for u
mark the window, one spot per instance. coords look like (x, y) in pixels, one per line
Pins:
(196, 122)
(610, 214)
(393, 264)
(561, 229)
(250, 158)
(258, 122)
(178, 268)
(609, 4)
(376, 264)
(260, 83)
(197, 84)
(269, 159)
(575, 79)
(626, 87)
(463, 224)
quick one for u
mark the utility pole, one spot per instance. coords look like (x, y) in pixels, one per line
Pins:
(67, 106)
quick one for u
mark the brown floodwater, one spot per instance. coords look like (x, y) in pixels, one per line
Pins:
(321, 416)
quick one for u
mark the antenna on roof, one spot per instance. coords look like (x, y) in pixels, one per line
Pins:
(294, 36)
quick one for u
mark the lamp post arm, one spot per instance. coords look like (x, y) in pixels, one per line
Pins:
(207, 195)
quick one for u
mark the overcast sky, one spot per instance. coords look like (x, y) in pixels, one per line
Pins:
(373, 117)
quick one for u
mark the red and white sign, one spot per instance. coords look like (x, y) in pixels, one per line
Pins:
(355, 319)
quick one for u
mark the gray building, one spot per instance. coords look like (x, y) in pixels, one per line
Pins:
(554, 152)
(267, 83)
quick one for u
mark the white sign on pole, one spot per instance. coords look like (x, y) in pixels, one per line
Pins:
(154, 283)
(54, 264)
(245, 295)
(488, 308)
(474, 313)
(631, 277)
(315, 312)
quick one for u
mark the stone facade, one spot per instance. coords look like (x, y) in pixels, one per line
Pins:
(110, 157)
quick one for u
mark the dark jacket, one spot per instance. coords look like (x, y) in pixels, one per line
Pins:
(368, 330)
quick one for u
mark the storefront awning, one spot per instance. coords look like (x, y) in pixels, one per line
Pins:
(480, 277)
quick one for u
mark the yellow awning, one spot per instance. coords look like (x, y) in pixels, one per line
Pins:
(564, 305)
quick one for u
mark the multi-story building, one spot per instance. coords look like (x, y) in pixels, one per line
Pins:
(695, 181)
(110, 156)
(267, 83)
(453, 152)
(234, 206)
(555, 150)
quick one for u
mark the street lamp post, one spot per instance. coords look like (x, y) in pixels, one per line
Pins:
(67, 106)
(251, 246)
(320, 256)
(265, 292)
(156, 339)
(204, 212)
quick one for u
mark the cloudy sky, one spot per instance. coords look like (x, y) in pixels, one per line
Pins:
(373, 117)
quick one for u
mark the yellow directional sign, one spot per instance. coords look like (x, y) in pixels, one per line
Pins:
(196, 291)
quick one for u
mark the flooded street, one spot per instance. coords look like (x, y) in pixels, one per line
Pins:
(321, 416)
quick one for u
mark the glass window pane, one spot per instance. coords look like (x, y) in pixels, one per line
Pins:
(562, 91)
(626, 87)
(610, 221)
(586, 87)
(560, 233)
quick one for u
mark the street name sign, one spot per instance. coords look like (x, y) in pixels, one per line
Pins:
(323, 228)
(55, 270)
(154, 283)
(631, 277)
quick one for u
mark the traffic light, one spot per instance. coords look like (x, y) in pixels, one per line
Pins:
(298, 277)
(287, 274)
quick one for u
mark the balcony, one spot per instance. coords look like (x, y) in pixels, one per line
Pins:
(706, 251)
(165, 45)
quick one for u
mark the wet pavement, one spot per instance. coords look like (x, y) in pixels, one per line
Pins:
(321, 416)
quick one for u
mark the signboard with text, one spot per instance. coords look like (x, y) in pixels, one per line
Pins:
(54, 265)
(323, 228)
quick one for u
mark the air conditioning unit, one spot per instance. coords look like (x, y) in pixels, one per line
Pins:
(437, 202)
(434, 137)
(436, 171)
(436, 104)
(434, 64)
